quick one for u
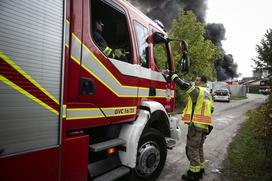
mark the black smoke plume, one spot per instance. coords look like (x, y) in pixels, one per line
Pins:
(216, 33)
(164, 10)
(167, 10)
(225, 66)
(199, 8)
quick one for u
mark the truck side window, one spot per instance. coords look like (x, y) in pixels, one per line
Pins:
(142, 34)
(110, 30)
(160, 56)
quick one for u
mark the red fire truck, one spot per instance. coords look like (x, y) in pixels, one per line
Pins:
(69, 112)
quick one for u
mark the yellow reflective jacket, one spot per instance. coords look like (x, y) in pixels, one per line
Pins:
(202, 111)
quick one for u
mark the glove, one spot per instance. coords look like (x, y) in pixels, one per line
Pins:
(167, 74)
(174, 76)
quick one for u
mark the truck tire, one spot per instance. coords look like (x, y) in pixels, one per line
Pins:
(151, 156)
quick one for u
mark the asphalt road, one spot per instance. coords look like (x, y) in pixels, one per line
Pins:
(227, 118)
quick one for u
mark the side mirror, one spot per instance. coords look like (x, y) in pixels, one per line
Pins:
(159, 37)
(183, 46)
(185, 60)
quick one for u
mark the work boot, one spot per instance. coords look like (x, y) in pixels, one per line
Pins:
(191, 176)
(201, 173)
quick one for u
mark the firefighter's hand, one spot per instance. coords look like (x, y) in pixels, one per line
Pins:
(166, 72)
(174, 76)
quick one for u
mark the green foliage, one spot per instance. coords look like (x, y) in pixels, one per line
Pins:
(244, 157)
(160, 55)
(262, 121)
(202, 52)
(250, 153)
(238, 97)
(264, 50)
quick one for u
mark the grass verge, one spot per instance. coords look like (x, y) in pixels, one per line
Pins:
(238, 97)
(247, 157)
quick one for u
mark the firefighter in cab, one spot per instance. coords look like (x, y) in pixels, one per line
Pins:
(101, 42)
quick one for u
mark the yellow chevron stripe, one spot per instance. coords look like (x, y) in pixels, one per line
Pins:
(64, 111)
(16, 67)
(88, 70)
(105, 84)
(98, 109)
(123, 86)
(109, 108)
(91, 53)
(74, 35)
(84, 117)
(19, 89)
(116, 115)
(67, 35)
(103, 108)
(83, 109)
(129, 87)
(73, 58)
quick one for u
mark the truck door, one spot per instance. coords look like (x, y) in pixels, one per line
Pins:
(161, 59)
(108, 73)
(80, 113)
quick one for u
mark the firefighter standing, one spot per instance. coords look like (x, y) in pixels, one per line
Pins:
(101, 42)
(197, 114)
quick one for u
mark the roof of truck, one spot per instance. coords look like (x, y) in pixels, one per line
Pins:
(141, 15)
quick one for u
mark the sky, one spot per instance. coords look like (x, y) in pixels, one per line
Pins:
(246, 22)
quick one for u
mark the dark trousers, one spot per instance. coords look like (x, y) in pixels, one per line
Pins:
(194, 146)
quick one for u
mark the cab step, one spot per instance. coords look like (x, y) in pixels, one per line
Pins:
(106, 144)
(113, 174)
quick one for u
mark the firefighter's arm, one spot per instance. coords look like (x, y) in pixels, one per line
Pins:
(180, 83)
(191, 90)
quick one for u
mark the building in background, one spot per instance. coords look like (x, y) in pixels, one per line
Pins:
(260, 74)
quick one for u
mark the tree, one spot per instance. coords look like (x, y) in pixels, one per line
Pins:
(202, 52)
(264, 51)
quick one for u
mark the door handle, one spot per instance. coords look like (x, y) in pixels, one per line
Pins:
(152, 91)
(87, 86)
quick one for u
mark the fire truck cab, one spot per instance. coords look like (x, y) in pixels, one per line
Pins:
(78, 102)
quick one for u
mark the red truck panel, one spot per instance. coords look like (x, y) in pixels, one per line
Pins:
(75, 158)
(39, 165)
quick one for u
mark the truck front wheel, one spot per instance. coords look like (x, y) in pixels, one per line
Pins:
(151, 155)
